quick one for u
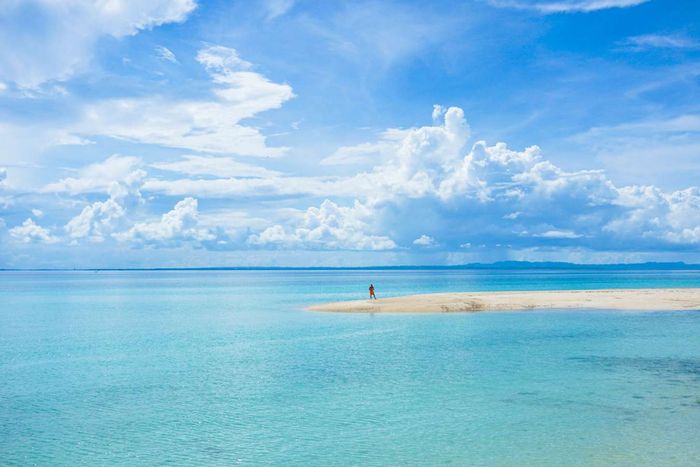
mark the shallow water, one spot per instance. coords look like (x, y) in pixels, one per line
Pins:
(223, 367)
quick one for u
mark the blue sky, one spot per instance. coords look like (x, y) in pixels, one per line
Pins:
(299, 133)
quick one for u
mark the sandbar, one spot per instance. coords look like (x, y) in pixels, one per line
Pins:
(613, 299)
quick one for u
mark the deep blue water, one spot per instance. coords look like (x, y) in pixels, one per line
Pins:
(225, 367)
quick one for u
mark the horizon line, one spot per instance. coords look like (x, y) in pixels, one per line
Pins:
(493, 265)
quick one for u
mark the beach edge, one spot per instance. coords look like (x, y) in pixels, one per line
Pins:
(655, 299)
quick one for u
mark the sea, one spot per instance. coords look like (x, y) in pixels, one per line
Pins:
(225, 367)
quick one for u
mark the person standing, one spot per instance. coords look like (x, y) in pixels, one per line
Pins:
(371, 292)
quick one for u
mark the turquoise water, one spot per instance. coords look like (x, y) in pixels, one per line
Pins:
(224, 367)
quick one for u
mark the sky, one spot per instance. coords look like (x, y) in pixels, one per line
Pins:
(195, 133)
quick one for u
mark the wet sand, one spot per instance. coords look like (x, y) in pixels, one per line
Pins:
(617, 299)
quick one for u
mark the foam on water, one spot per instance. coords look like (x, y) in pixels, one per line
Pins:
(203, 367)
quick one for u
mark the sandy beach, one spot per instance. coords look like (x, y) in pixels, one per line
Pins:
(618, 299)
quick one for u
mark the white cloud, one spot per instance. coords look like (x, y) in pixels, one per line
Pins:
(211, 126)
(275, 8)
(176, 226)
(658, 41)
(651, 214)
(214, 166)
(513, 195)
(30, 232)
(96, 221)
(61, 38)
(220, 59)
(558, 234)
(37, 212)
(120, 175)
(427, 161)
(166, 54)
(3, 87)
(438, 113)
(425, 240)
(416, 160)
(566, 6)
(64, 139)
(327, 227)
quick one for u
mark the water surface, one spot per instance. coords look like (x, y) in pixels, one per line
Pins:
(224, 367)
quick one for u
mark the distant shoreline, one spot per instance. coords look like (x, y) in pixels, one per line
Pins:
(500, 265)
(662, 299)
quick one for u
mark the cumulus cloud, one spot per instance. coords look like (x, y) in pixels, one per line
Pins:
(61, 38)
(425, 240)
(95, 221)
(566, 6)
(120, 175)
(496, 194)
(30, 232)
(415, 160)
(651, 214)
(208, 125)
(175, 226)
(327, 227)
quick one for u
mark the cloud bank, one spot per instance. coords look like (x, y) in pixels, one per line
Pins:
(429, 190)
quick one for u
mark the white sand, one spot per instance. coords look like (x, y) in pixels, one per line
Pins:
(620, 299)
